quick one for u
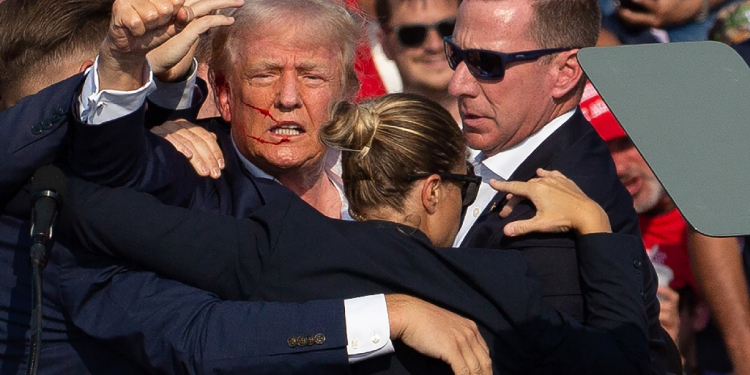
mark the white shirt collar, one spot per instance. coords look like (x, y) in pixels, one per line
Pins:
(505, 162)
(332, 170)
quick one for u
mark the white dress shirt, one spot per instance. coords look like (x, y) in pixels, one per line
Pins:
(500, 167)
(367, 325)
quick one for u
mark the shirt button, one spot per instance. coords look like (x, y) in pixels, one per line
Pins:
(355, 344)
(375, 339)
(476, 212)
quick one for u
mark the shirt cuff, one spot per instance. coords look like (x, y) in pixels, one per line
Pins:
(176, 95)
(97, 107)
(368, 330)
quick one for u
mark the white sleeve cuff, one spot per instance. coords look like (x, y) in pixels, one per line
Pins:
(176, 95)
(368, 330)
(97, 107)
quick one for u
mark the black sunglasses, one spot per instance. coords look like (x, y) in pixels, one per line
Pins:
(485, 64)
(469, 188)
(413, 35)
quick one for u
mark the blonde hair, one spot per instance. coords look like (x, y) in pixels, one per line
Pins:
(326, 21)
(387, 139)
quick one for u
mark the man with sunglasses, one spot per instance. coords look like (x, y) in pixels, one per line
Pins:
(518, 85)
(411, 33)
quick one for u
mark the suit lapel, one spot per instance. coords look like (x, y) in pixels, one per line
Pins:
(542, 157)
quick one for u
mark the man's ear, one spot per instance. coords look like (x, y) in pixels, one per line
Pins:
(85, 65)
(567, 73)
(223, 94)
(431, 190)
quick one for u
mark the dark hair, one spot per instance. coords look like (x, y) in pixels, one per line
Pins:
(37, 34)
(387, 139)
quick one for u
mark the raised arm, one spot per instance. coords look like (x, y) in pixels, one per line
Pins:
(109, 144)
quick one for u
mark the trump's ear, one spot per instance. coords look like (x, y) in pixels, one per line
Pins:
(567, 73)
(223, 94)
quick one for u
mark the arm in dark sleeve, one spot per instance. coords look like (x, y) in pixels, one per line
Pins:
(217, 253)
(123, 152)
(613, 339)
(170, 328)
(31, 132)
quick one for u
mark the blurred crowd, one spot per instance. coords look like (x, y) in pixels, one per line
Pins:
(213, 105)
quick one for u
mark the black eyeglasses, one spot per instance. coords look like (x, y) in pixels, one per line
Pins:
(484, 64)
(413, 35)
(469, 188)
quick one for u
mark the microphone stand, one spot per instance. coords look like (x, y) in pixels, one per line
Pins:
(38, 260)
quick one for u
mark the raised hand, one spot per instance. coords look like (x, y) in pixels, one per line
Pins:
(560, 206)
(439, 333)
(139, 26)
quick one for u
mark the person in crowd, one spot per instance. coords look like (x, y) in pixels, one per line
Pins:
(411, 33)
(660, 21)
(721, 267)
(276, 90)
(665, 233)
(518, 83)
(408, 201)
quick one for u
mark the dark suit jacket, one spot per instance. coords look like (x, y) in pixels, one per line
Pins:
(577, 151)
(119, 153)
(287, 251)
(32, 134)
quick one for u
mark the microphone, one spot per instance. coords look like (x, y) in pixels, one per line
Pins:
(46, 185)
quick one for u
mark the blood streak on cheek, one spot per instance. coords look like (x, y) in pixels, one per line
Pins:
(267, 114)
(263, 112)
(261, 140)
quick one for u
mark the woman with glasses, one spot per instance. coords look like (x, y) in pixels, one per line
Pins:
(407, 181)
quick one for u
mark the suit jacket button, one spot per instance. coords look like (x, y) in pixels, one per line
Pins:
(46, 124)
(36, 130)
(292, 342)
(301, 340)
(637, 263)
(310, 340)
(319, 339)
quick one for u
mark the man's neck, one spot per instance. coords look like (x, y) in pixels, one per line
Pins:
(311, 183)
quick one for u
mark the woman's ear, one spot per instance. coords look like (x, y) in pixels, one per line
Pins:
(431, 193)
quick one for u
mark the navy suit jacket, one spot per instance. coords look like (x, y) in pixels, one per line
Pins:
(33, 133)
(125, 153)
(288, 251)
(576, 150)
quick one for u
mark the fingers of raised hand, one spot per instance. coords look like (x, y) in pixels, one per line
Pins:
(140, 16)
(201, 8)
